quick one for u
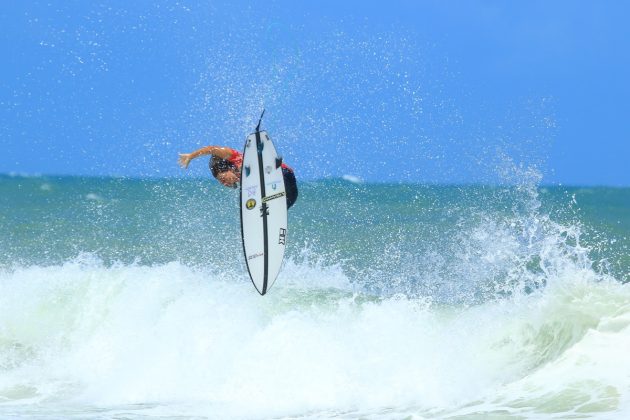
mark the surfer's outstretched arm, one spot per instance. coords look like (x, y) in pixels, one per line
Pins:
(218, 151)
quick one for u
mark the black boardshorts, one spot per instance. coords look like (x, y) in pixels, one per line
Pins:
(290, 186)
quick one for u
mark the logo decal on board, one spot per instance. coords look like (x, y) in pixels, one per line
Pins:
(264, 210)
(274, 184)
(250, 204)
(260, 254)
(268, 169)
(251, 190)
(282, 238)
(271, 197)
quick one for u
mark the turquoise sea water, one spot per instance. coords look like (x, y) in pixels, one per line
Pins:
(129, 298)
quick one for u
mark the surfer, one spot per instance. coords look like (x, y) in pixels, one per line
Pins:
(225, 166)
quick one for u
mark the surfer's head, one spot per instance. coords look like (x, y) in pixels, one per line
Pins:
(224, 172)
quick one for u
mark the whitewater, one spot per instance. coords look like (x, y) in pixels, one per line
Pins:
(398, 301)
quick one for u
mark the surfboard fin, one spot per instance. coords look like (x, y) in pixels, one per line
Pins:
(247, 170)
(260, 120)
(278, 162)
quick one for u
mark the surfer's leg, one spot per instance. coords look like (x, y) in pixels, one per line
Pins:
(290, 185)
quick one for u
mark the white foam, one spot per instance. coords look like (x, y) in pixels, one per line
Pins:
(14, 174)
(175, 340)
(352, 178)
(93, 197)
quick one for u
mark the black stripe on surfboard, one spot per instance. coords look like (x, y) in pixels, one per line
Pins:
(261, 172)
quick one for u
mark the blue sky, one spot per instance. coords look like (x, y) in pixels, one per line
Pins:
(411, 91)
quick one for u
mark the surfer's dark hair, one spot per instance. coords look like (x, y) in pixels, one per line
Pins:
(218, 165)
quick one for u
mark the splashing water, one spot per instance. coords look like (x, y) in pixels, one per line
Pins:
(442, 301)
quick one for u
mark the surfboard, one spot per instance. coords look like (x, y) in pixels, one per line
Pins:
(263, 210)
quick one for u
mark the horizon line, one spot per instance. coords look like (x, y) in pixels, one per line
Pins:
(309, 180)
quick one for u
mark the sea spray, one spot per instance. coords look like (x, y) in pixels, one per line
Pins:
(395, 300)
(87, 334)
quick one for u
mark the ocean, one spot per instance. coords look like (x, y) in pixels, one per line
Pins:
(129, 299)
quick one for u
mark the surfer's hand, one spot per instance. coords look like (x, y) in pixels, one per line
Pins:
(184, 160)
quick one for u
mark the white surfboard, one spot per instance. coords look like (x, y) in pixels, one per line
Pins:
(263, 210)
